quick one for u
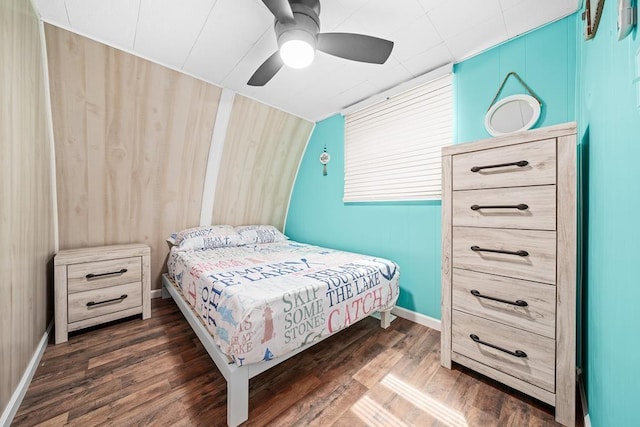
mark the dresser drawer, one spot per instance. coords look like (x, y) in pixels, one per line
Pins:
(538, 263)
(537, 367)
(540, 169)
(537, 316)
(516, 207)
(100, 274)
(84, 305)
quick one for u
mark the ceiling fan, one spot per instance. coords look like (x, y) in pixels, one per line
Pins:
(297, 27)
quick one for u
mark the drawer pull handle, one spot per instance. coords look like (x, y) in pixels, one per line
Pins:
(520, 207)
(517, 353)
(519, 302)
(500, 251)
(93, 303)
(521, 164)
(111, 273)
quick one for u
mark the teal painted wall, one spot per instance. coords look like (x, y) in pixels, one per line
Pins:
(609, 121)
(407, 233)
(545, 59)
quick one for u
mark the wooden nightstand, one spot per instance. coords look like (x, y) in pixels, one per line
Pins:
(101, 284)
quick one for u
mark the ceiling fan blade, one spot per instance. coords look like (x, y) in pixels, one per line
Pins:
(281, 9)
(267, 70)
(356, 47)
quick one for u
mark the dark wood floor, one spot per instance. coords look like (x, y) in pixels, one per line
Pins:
(155, 372)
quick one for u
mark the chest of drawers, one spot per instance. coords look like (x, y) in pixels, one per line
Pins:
(101, 284)
(509, 249)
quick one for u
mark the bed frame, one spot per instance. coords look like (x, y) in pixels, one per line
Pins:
(237, 377)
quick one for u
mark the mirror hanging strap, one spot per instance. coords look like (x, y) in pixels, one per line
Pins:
(526, 86)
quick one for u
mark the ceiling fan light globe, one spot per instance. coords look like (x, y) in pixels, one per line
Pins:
(297, 53)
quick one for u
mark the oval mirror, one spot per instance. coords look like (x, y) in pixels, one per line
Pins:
(512, 114)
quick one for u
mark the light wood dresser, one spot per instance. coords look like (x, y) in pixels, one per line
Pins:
(509, 245)
(101, 284)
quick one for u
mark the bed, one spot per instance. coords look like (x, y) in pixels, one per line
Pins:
(255, 302)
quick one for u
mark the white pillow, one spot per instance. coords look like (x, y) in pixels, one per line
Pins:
(257, 234)
(207, 237)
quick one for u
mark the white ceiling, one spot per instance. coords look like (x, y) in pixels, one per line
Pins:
(224, 41)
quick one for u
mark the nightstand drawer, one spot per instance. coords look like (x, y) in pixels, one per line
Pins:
(85, 305)
(529, 208)
(533, 163)
(100, 274)
(525, 305)
(523, 355)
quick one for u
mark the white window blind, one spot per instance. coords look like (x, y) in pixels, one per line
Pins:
(392, 148)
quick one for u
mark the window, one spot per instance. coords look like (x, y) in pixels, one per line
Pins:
(392, 148)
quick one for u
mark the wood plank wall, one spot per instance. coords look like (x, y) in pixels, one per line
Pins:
(132, 139)
(261, 154)
(26, 199)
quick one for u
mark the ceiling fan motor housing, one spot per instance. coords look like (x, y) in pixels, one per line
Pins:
(306, 24)
(297, 28)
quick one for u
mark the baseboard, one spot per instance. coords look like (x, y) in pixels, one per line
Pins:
(583, 400)
(156, 293)
(17, 396)
(418, 318)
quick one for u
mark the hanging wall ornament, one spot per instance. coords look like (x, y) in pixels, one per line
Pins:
(591, 15)
(626, 18)
(324, 159)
